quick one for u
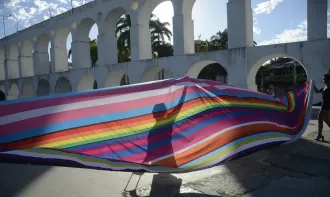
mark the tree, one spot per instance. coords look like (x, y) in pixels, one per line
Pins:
(163, 50)
(201, 46)
(219, 41)
(93, 52)
(158, 32)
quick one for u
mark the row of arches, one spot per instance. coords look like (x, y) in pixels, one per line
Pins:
(52, 51)
(213, 71)
(281, 73)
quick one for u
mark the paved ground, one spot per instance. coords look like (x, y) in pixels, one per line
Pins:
(298, 169)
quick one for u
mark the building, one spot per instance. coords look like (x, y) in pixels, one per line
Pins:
(25, 70)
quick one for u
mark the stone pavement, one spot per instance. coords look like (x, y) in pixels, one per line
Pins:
(298, 169)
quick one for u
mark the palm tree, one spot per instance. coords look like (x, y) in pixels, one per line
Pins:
(93, 51)
(219, 41)
(158, 31)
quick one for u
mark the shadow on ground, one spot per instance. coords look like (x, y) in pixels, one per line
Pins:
(15, 178)
(298, 169)
(166, 185)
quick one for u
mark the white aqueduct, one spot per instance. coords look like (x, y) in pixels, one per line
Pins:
(25, 69)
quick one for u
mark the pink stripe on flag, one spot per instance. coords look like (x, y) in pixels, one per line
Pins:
(90, 111)
(26, 106)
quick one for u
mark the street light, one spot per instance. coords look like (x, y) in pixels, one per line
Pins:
(4, 16)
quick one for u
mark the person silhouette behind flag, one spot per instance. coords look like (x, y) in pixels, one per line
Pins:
(2, 96)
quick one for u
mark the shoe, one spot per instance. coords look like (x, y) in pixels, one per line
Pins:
(320, 138)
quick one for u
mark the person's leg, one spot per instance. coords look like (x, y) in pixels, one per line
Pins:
(320, 124)
(326, 117)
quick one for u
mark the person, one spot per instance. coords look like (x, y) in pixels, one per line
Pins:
(324, 115)
(2, 96)
(155, 136)
(271, 91)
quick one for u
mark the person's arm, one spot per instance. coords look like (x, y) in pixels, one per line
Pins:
(318, 90)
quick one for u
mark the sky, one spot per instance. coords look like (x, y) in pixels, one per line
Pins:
(275, 21)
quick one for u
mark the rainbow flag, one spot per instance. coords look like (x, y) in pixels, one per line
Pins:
(174, 125)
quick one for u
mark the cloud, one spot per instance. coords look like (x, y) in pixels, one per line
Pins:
(76, 3)
(27, 12)
(289, 35)
(263, 8)
(266, 7)
(256, 29)
(13, 3)
(293, 35)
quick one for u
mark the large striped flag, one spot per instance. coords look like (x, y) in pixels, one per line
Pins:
(174, 125)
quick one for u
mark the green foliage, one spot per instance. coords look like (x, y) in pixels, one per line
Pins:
(93, 52)
(159, 31)
(219, 41)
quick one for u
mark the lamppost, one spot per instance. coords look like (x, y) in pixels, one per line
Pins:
(4, 16)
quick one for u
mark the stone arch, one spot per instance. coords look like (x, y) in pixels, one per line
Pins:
(13, 92)
(111, 38)
(197, 67)
(43, 88)
(188, 24)
(12, 61)
(41, 55)
(181, 8)
(144, 32)
(27, 59)
(154, 73)
(60, 50)
(116, 78)
(87, 82)
(63, 86)
(27, 90)
(82, 41)
(2, 65)
(252, 72)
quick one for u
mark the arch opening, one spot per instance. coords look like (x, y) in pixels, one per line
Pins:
(215, 36)
(161, 30)
(208, 69)
(2, 65)
(86, 44)
(277, 75)
(61, 53)
(42, 58)
(117, 78)
(118, 36)
(87, 82)
(155, 73)
(27, 90)
(12, 61)
(27, 59)
(13, 92)
(43, 88)
(63, 86)
(2, 93)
